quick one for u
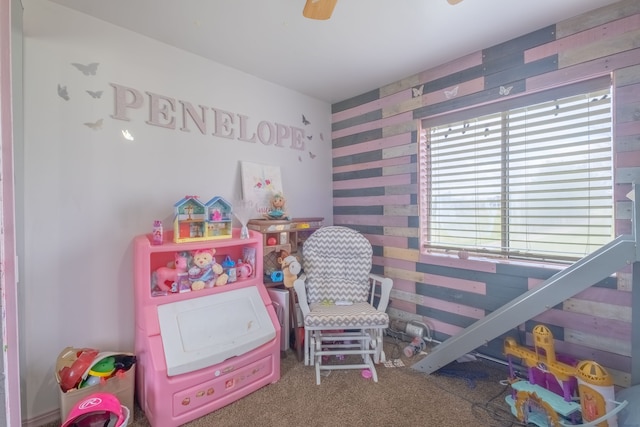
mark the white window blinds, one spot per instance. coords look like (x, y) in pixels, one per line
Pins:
(529, 181)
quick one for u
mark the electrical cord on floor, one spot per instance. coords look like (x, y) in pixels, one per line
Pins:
(397, 334)
(496, 412)
(499, 415)
(396, 347)
(469, 376)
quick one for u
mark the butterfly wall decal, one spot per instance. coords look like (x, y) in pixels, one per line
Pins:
(305, 121)
(313, 156)
(97, 125)
(96, 94)
(451, 93)
(63, 93)
(127, 135)
(417, 91)
(87, 70)
(505, 90)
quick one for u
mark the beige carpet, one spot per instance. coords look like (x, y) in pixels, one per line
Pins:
(470, 394)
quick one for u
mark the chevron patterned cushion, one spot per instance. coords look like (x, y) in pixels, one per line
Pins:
(333, 289)
(358, 315)
(337, 262)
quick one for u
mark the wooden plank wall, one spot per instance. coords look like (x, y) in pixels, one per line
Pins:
(375, 182)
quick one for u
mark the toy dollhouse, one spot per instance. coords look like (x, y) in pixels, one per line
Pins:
(195, 221)
(560, 391)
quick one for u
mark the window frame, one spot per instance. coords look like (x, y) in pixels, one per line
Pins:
(500, 106)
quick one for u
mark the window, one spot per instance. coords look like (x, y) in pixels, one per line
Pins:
(526, 178)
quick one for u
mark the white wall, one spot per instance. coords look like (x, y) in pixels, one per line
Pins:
(87, 192)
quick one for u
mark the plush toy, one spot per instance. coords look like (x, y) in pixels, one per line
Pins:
(277, 209)
(290, 268)
(205, 271)
(167, 276)
(222, 279)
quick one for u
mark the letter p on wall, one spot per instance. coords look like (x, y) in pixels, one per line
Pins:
(125, 97)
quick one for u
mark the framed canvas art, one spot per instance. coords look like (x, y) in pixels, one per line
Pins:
(259, 184)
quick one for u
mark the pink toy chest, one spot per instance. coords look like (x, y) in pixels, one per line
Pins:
(198, 351)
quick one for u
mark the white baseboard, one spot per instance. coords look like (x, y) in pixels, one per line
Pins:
(44, 419)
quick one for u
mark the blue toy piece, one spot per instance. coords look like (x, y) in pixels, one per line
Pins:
(277, 276)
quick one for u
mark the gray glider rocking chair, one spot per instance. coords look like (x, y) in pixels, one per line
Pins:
(343, 304)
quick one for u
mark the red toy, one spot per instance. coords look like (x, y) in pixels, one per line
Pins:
(77, 362)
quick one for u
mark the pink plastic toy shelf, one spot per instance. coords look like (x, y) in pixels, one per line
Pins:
(198, 351)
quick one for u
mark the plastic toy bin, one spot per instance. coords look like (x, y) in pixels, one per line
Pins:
(121, 385)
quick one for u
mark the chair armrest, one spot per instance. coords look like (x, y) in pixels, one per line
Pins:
(385, 284)
(301, 291)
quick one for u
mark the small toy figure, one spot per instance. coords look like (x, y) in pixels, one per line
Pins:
(157, 233)
(277, 210)
(182, 284)
(229, 267)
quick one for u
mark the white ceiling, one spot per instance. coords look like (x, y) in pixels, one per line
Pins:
(365, 45)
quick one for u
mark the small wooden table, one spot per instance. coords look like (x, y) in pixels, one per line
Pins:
(288, 235)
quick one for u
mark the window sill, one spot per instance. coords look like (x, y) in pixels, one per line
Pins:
(463, 256)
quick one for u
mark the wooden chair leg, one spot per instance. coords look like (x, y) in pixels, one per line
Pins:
(298, 330)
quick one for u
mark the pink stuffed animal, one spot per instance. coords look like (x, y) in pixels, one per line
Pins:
(166, 276)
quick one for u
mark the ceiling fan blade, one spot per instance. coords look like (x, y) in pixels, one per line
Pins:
(453, 2)
(319, 9)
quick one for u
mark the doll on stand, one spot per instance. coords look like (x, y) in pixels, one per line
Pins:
(277, 209)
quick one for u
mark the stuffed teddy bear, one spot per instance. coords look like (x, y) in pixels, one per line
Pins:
(205, 271)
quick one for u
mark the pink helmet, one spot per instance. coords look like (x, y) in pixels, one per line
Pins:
(102, 409)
